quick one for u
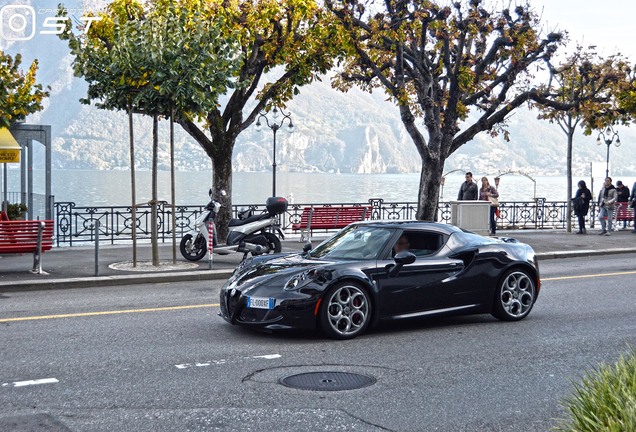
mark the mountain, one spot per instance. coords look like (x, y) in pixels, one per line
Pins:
(352, 132)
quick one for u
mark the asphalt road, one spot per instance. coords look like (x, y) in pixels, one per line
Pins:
(156, 357)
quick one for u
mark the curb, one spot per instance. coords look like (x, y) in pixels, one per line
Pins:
(105, 281)
(203, 275)
(543, 256)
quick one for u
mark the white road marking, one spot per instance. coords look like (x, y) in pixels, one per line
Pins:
(268, 356)
(31, 382)
(224, 361)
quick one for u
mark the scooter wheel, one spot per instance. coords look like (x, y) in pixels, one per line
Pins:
(273, 243)
(193, 249)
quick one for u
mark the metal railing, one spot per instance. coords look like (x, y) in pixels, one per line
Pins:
(38, 208)
(74, 224)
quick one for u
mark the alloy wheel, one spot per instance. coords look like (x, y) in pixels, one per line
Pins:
(348, 311)
(517, 294)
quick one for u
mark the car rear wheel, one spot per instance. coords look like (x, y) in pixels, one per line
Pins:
(515, 296)
(345, 311)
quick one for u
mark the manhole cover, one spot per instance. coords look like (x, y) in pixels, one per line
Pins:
(327, 381)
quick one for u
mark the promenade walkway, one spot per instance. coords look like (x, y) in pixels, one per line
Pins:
(74, 267)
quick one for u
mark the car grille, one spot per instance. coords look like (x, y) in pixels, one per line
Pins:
(257, 315)
(229, 302)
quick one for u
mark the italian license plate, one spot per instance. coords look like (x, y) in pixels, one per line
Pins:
(261, 302)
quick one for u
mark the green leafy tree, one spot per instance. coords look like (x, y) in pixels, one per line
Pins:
(295, 41)
(20, 95)
(290, 39)
(163, 60)
(589, 85)
(453, 71)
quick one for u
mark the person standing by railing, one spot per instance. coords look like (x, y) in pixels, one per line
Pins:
(468, 190)
(581, 204)
(632, 203)
(489, 193)
(606, 200)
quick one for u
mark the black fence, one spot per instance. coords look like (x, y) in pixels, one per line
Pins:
(75, 224)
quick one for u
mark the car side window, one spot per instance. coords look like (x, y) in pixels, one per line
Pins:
(423, 243)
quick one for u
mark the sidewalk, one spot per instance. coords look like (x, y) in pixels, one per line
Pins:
(74, 267)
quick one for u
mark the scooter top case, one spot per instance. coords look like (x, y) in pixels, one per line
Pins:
(276, 205)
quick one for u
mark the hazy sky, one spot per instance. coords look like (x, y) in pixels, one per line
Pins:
(608, 24)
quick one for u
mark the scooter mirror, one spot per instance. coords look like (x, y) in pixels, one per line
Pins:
(210, 193)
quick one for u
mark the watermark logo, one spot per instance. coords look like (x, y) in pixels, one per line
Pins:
(19, 23)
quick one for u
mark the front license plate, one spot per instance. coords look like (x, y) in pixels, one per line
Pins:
(261, 303)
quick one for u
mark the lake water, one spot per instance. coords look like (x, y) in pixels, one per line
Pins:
(102, 188)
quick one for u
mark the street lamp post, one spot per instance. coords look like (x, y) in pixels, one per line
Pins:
(609, 135)
(274, 125)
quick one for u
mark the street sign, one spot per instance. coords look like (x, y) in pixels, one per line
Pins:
(9, 147)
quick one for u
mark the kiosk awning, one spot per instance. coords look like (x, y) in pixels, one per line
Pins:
(9, 147)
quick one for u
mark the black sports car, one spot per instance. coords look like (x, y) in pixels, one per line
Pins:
(372, 271)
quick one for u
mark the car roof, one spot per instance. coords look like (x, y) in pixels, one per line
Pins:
(412, 224)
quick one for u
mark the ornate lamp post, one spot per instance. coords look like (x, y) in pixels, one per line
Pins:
(609, 135)
(274, 125)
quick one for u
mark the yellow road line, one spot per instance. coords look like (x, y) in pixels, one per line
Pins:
(116, 312)
(588, 276)
(210, 305)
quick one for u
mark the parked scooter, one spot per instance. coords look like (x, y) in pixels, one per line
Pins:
(248, 234)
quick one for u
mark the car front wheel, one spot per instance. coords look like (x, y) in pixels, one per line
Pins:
(345, 311)
(515, 296)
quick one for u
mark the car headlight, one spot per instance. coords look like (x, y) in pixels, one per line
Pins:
(319, 276)
(295, 282)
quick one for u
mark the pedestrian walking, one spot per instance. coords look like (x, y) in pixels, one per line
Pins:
(606, 201)
(489, 193)
(622, 197)
(581, 204)
(468, 190)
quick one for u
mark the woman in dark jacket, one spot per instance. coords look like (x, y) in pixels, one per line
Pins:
(581, 203)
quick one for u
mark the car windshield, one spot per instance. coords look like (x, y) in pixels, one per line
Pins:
(354, 242)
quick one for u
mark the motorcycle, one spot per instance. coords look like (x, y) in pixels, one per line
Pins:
(248, 234)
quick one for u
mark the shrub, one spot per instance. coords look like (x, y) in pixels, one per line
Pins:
(605, 400)
(15, 211)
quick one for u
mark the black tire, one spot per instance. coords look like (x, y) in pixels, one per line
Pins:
(193, 249)
(515, 295)
(273, 243)
(345, 311)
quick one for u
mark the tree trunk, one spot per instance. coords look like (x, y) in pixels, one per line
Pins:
(173, 221)
(428, 196)
(154, 201)
(133, 208)
(222, 180)
(568, 125)
(568, 198)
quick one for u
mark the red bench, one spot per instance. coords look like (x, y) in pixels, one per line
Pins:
(329, 218)
(23, 236)
(623, 212)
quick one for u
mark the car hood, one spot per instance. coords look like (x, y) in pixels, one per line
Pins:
(283, 267)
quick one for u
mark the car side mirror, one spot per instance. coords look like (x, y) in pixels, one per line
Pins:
(307, 248)
(404, 258)
(401, 259)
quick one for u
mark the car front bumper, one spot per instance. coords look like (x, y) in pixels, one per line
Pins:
(292, 309)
